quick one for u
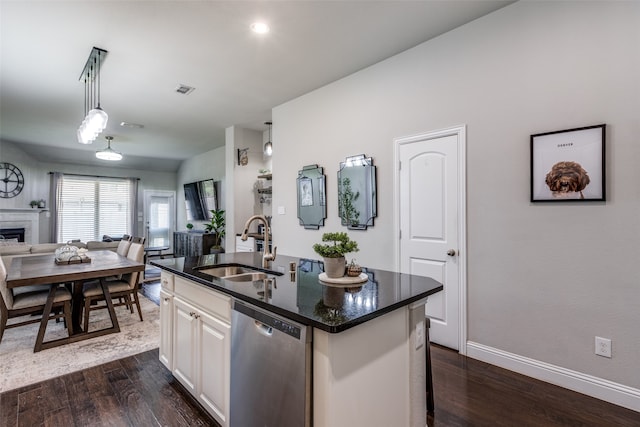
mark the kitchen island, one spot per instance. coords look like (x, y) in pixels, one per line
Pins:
(367, 345)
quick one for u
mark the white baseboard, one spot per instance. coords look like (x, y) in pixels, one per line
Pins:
(599, 388)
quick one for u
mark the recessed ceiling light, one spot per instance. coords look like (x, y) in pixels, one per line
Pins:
(259, 27)
(131, 125)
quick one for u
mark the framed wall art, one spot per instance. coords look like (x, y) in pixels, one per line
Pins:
(243, 156)
(568, 165)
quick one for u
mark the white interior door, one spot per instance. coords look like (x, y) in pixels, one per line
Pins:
(159, 218)
(431, 225)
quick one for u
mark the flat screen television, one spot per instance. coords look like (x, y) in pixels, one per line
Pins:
(200, 198)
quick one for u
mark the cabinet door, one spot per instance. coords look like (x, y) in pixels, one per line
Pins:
(185, 344)
(166, 328)
(214, 364)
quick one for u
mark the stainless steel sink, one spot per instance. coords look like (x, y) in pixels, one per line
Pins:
(226, 271)
(246, 277)
(235, 273)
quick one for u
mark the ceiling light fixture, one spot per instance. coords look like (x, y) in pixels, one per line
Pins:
(268, 147)
(260, 28)
(108, 153)
(95, 119)
(131, 125)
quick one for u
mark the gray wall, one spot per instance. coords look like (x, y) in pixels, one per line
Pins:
(209, 165)
(543, 279)
(37, 181)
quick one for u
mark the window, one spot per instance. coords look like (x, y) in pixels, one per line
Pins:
(90, 207)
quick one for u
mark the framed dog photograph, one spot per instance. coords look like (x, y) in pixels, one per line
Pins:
(568, 165)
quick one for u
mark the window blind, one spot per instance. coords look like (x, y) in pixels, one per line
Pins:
(90, 207)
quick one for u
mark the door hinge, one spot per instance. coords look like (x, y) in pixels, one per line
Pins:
(400, 234)
(399, 165)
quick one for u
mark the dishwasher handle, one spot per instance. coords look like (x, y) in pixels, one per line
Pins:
(263, 329)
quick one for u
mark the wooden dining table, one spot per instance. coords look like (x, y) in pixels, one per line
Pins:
(42, 269)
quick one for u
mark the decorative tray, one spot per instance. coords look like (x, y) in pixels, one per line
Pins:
(80, 259)
(344, 280)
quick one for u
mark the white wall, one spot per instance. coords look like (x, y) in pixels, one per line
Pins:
(243, 200)
(543, 279)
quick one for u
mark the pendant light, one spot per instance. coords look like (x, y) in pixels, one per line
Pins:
(108, 153)
(268, 147)
(95, 120)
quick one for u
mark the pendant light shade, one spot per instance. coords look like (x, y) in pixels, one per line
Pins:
(109, 153)
(268, 146)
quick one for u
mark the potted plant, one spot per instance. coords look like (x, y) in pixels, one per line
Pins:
(33, 204)
(189, 226)
(333, 253)
(216, 226)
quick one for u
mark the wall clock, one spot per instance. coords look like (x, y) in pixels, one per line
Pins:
(11, 180)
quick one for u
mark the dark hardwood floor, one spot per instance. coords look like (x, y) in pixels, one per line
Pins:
(139, 391)
(136, 391)
(468, 392)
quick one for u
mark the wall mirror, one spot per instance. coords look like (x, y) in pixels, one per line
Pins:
(312, 203)
(357, 192)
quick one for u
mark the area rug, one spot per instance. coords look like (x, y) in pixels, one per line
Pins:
(20, 366)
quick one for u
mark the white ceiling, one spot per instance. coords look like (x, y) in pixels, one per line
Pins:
(154, 46)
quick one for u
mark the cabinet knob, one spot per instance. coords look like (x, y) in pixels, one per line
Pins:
(166, 299)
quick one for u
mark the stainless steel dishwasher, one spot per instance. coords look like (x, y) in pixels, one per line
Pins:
(270, 369)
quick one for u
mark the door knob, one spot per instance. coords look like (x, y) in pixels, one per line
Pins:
(451, 252)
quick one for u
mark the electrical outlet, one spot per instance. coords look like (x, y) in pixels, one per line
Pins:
(603, 347)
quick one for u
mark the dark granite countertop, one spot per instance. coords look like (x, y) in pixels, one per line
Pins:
(305, 299)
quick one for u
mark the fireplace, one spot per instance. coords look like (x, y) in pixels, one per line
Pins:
(27, 219)
(12, 233)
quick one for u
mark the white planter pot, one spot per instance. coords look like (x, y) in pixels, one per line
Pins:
(334, 267)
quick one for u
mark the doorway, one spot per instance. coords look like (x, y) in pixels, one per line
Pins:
(159, 218)
(431, 223)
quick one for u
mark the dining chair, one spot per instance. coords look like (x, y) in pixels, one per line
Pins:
(123, 288)
(122, 250)
(123, 247)
(32, 300)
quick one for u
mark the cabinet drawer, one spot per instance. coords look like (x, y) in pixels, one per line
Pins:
(207, 299)
(166, 281)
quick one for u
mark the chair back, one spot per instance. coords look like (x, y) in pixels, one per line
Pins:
(123, 247)
(7, 296)
(138, 240)
(136, 253)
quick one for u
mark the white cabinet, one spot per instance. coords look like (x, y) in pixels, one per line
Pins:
(214, 366)
(166, 328)
(166, 319)
(201, 343)
(184, 338)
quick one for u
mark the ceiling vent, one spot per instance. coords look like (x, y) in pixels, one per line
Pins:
(184, 89)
